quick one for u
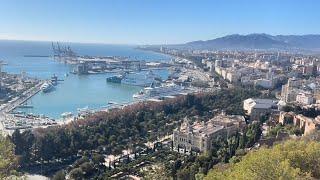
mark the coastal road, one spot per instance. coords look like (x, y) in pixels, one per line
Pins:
(12, 105)
(26, 95)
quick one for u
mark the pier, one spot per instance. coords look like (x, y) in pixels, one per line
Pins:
(22, 99)
(102, 64)
(9, 122)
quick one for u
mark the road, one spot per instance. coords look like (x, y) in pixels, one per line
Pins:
(26, 95)
(4, 112)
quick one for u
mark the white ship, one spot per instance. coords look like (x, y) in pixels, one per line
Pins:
(159, 92)
(46, 87)
(140, 79)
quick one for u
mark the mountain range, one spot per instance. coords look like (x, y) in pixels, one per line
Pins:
(259, 41)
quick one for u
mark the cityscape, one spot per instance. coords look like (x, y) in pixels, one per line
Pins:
(217, 102)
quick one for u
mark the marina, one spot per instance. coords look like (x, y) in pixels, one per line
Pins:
(60, 96)
(13, 104)
(72, 86)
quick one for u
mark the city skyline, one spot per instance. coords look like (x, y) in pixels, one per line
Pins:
(159, 89)
(146, 22)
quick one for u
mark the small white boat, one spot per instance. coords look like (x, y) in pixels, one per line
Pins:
(83, 109)
(112, 102)
(66, 115)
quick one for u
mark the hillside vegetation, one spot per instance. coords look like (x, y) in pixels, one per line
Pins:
(292, 159)
(111, 132)
(7, 158)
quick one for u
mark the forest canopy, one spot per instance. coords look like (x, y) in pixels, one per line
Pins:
(293, 159)
(7, 158)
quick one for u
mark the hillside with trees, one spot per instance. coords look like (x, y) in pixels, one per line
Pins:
(292, 159)
(111, 132)
(223, 151)
(8, 161)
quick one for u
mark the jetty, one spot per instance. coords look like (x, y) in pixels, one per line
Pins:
(22, 99)
(10, 121)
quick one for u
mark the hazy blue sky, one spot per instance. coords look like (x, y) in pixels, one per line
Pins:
(153, 21)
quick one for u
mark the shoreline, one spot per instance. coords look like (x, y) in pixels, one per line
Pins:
(29, 94)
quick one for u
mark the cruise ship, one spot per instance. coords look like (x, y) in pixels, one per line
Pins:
(140, 79)
(158, 92)
(46, 87)
(135, 79)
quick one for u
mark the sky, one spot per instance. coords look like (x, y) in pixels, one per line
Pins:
(153, 21)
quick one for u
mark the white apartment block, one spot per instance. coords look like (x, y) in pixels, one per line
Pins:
(256, 108)
(304, 98)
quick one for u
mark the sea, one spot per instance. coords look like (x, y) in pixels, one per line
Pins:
(75, 91)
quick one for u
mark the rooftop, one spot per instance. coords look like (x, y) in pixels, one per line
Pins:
(260, 103)
(213, 125)
(200, 128)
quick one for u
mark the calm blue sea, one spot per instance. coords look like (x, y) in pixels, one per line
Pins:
(75, 91)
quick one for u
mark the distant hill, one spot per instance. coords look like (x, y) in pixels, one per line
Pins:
(259, 41)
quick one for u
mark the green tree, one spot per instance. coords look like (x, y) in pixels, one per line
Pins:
(76, 174)
(158, 171)
(60, 175)
(294, 159)
(98, 159)
(87, 168)
(8, 160)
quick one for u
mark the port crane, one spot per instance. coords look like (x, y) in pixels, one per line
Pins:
(63, 53)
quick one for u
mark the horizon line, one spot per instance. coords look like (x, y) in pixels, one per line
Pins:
(151, 44)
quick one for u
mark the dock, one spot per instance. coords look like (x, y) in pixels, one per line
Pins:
(22, 99)
(24, 106)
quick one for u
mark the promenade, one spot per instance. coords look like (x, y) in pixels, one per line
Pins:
(25, 96)
(10, 106)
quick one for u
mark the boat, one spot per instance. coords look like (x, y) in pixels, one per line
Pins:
(84, 111)
(115, 79)
(46, 87)
(66, 115)
(112, 102)
(165, 90)
(140, 79)
(54, 80)
(135, 79)
(138, 95)
(24, 106)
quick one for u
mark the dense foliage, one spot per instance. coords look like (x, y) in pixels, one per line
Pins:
(222, 152)
(293, 159)
(7, 158)
(309, 112)
(111, 132)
